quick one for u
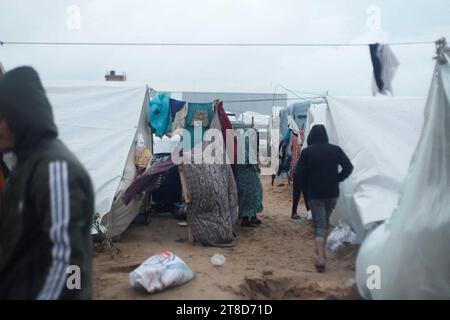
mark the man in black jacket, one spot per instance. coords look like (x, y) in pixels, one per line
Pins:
(47, 204)
(318, 173)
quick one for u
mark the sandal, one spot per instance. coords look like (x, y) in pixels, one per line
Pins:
(247, 223)
(296, 217)
(320, 268)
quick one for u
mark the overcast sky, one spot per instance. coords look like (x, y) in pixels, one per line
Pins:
(341, 71)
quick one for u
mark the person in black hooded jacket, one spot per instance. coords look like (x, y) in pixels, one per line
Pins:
(318, 173)
(47, 204)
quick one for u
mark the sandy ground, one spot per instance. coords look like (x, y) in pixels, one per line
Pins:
(273, 261)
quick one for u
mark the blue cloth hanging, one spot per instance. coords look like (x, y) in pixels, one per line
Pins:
(175, 106)
(160, 114)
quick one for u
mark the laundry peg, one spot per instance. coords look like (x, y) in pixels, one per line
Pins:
(441, 49)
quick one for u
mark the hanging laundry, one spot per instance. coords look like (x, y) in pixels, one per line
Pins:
(385, 66)
(225, 124)
(179, 111)
(284, 154)
(175, 106)
(200, 114)
(160, 114)
(295, 154)
(292, 125)
(302, 137)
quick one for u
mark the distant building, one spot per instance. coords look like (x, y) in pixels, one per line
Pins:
(238, 103)
(112, 76)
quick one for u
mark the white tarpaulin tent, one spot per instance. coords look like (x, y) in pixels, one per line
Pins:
(410, 251)
(379, 135)
(99, 124)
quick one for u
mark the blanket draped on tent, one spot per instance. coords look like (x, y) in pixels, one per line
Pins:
(149, 180)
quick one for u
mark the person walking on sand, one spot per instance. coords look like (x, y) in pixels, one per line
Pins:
(319, 174)
(47, 203)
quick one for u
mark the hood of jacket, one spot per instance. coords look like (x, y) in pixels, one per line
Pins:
(27, 110)
(318, 134)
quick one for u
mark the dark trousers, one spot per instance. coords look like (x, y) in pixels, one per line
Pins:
(297, 191)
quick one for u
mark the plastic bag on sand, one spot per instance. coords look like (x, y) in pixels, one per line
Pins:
(339, 236)
(160, 272)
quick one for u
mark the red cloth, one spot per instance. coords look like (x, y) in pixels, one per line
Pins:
(302, 136)
(295, 152)
(225, 124)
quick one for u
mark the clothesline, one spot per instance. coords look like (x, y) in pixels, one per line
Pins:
(279, 99)
(186, 44)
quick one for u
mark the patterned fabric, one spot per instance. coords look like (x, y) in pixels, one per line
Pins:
(250, 192)
(249, 188)
(212, 210)
(143, 158)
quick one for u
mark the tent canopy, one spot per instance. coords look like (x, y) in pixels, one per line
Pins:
(99, 123)
(411, 248)
(379, 135)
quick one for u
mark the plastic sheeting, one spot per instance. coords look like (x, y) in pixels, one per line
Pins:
(379, 135)
(411, 250)
(99, 124)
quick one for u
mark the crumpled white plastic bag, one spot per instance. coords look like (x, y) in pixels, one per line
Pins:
(160, 272)
(341, 235)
